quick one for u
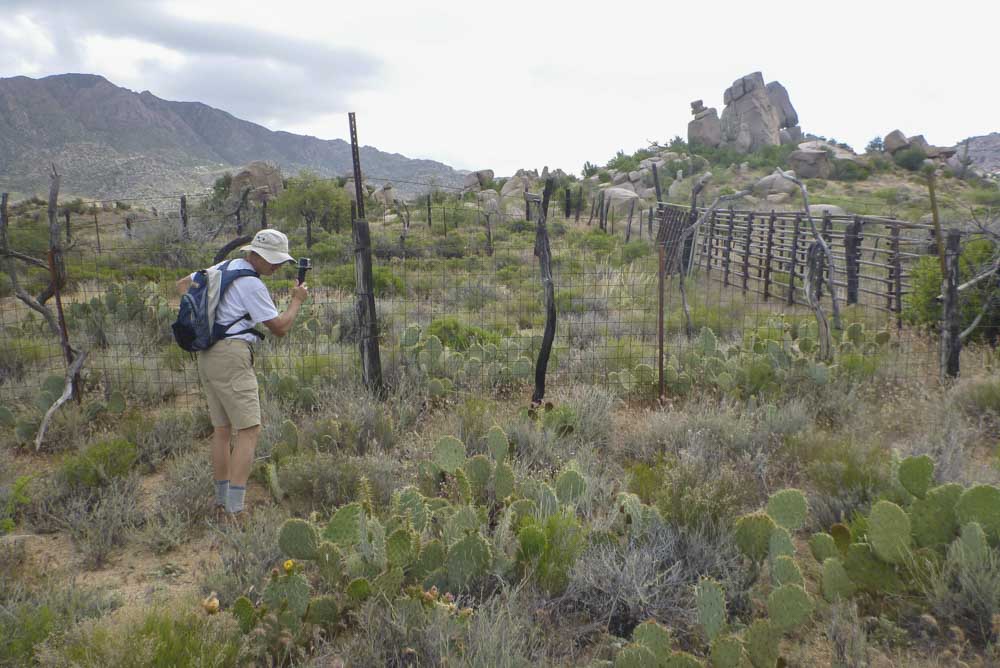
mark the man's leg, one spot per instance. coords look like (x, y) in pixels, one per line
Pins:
(240, 465)
(221, 437)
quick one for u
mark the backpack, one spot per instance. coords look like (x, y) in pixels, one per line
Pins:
(195, 328)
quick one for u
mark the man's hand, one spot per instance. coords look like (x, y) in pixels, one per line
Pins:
(300, 293)
(283, 323)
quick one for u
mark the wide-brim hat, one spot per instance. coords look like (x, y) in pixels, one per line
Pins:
(271, 245)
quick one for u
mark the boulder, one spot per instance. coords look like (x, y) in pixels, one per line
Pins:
(774, 184)
(478, 179)
(818, 210)
(779, 198)
(635, 176)
(895, 141)
(676, 189)
(782, 104)
(705, 129)
(470, 182)
(837, 152)
(619, 178)
(649, 162)
(811, 164)
(669, 155)
(919, 142)
(625, 186)
(489, 201)
(263, 179)
(620, 198)
(512, 195)
(385, 195)
(648, 193)
(697, 107)
(785, 137)
(749, 121)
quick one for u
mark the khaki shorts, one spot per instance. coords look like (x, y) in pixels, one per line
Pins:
(226, 372)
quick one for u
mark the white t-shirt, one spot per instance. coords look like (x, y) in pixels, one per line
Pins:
(247, 294)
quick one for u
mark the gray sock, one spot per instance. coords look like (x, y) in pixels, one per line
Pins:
(221, 492)
(234, 500)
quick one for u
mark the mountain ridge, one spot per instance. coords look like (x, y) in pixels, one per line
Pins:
(109, 141)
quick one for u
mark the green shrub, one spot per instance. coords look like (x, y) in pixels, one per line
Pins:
(99, 464)
(910, 158)
(564, 540)
(459, 336)
(342, 278)
(848, 170)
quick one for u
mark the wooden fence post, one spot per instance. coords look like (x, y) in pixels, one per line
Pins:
(852, 252)
(97, 232)
(656, 183)
(661, 276)
(769, 249)
(649, 221)
(746, 252)
(897, 276)
(579, 203)
(371, 363)
(827, 262)
(185, 233)
(710, 245)
(69, 233)
(951, 321)
(544, 255)
(263, 215)
(569, 203)
(128, 227)
(429, 212)
(628, 227)
(794, 258)
(727, 248)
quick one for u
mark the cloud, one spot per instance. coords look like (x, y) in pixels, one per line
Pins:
(275, 79)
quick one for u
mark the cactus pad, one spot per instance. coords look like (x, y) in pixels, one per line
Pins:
(780, 544)
(889, 532)
(330, 562)
(503, 481)
(401, 547)
(410, 502)
(727, 652)
(788, 508)
(682, 660)
(835, 582)
(784, 571)
(449, 454)
(789, 607)
(973, 541)
(344, 528)
(762, 640)
(841, 537)
(753, 534)
(653, 636)
(358, 590)
(497, 443)
(916, 475)
(478, 471)
(468, 560)
(287, 592)
(867, 572)
(635, 656)
(822, 547)
(245, 614)
(298, 539)
(323, 611)
(711, 603)
(521, 368)
(981, 503)
(933, 516)
(570, 486)
(431, 557)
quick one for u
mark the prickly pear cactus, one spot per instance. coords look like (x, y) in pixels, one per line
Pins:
(287, 592)
(753, 534)
(653, 636)
(728, 652)
(468, 560)
(401, 548)
(868, 572)
(478, 471)
(835, 582)
(635, 656)
(981, 503)
(330, 562)
(789, 607)
(933, 517)
(682, 660)
(449, 454)
(842, 537)
(299, 539)
(503, 481)
(323, 611)
(344, 528)
(521, 369)
(788, 508)
(889, 532)
(711, 603)
(784, 571)
(358, 590)
(431, 557)
(822, 547)
(761, 643)
(411, 336)
(916, 475)
(780, 544)
(245, 614)
(570, 486)
(410, 503)
(497, 443)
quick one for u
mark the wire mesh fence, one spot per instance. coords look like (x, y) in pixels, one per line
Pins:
(459, 300)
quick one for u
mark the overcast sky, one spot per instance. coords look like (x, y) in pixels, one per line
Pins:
(525, 84)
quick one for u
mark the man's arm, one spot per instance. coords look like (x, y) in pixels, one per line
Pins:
(182, 285)
(283, 323)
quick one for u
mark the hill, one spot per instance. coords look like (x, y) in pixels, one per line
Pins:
(109, 140)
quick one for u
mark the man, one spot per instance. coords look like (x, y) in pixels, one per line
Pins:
(226, 369)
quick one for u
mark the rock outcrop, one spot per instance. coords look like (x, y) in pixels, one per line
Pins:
(262, 179)
(895, 141)
(811, 164)
(478, 179)
(750, 121)
(706, 128)
(778, 96)
(774, 184)
(512, 195)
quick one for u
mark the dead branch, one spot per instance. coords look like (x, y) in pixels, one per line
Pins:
(67, 392)
(822, 244)
(11, 270)
(27, 259)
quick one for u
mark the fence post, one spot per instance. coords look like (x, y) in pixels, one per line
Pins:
(767, 255)
(825, 231)
(444, 219)
(263, 215)
(371, 363)
(951, 321)
(794, 258)
(184, 218)
(544, 255)
(569, 203)
(69, 234)
(656, 183)
(579, 203)
(727, 247)
(429, 212)
(660, 309)
(852, 251)
(97, 232)
(897, 277)
(746, 252)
